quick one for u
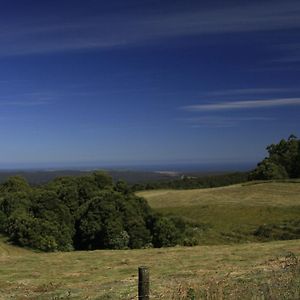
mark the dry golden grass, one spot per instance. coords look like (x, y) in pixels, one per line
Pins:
(111, 274)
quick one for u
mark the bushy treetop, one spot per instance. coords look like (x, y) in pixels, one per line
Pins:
(283, 161)
(88, 212)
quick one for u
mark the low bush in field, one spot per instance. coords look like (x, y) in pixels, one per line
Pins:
(288, 230)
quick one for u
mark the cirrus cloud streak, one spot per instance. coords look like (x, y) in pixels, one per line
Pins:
(44, 34)
(233, 105)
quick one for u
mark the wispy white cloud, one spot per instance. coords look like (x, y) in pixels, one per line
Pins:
(288, 53)
(232, 105)
(221, 121)
(249, 91)
(115, 30)
(24, 103)
(294, 58)
(29, 98)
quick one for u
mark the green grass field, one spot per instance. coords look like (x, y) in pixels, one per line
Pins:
(248, 270)
(271, 193)
(233, 213)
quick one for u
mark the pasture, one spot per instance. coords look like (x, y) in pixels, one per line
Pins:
(231, 214)
(229, 263)
(175, 272)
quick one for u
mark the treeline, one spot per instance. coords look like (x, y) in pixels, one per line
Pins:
(38, 177)
(87, 212)
(283, 161)
(190, 182)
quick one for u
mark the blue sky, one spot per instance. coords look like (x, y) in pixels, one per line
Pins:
(145, 82)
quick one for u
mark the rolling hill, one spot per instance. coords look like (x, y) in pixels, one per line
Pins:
(232, 213)
(233, 271)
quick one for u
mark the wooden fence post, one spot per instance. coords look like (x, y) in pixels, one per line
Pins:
(144, 283)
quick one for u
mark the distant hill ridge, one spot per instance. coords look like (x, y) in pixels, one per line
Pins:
(37, 177)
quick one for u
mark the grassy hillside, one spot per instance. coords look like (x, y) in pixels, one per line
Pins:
(233, 271)
(233, 213)
(175, 272)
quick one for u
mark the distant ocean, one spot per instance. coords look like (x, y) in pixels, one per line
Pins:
(196, 167)
(147, 167)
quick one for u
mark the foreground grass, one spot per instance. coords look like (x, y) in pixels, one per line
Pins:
(233, 213)
(176, 273)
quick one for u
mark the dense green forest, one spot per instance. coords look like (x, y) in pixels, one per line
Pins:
(283, 161)
(87, 212)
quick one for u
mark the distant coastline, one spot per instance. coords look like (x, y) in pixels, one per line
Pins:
(131, 173)
(155, 167)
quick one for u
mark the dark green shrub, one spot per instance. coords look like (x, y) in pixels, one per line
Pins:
(165, 233)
